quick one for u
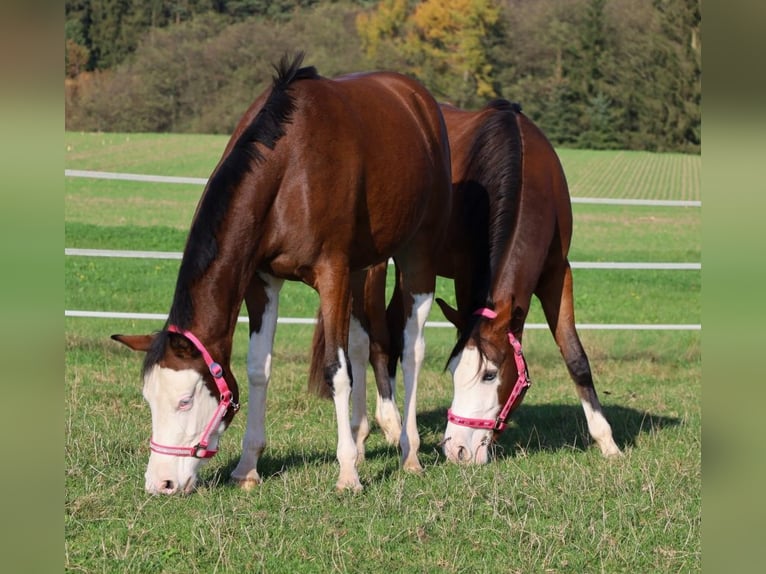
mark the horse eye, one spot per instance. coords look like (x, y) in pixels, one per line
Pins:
(489, 376)
(185, 403)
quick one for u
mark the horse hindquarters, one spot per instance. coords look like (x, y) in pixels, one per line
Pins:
(556, 297)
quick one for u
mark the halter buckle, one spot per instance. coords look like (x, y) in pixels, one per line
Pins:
(216, 370)
(195, 450)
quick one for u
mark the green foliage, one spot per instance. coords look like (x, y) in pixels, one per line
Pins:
(576, 64)
(623, 74)
(444, 43)
(200, 76)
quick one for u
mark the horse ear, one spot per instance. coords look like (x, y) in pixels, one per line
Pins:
(135, 342)
(452, 315)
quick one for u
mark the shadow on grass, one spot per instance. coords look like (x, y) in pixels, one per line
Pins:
(554, 426)
(534, 428)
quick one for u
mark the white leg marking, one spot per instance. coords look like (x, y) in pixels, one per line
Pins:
(413, 352)
(346, 453)
(359, 355)
(258, 374)
(388, 417)
(600, 430)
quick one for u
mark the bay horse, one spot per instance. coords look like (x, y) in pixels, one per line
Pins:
(508, 238)
(320, 178)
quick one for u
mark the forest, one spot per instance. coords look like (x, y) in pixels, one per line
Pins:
(595, 74)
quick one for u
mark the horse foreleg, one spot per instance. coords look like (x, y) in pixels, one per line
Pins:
(418, 295)
(335, 302)
(262, 300)
(556, 297)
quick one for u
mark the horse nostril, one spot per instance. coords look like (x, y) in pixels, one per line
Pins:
(462, 454)
(167, 486)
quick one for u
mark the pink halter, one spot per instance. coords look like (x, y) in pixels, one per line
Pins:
(517, 393)
(200, 450)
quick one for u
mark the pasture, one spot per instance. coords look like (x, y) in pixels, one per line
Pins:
(548, 503)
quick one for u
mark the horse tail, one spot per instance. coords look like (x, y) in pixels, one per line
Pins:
(317, 383)
(395, 322)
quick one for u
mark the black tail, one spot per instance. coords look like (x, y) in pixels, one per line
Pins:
(317, 383)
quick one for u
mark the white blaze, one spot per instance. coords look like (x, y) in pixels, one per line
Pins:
(473, 398)
(181, 406)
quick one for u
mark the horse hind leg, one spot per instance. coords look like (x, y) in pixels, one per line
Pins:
(359, 355)
(386, 412)
(262, 300)
(334, 286)
(556, 296)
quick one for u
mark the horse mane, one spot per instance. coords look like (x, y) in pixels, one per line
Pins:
(265, 129)
(494, 167)
(496, 163)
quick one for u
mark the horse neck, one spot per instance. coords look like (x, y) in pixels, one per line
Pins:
(209, 304)
(218, 305)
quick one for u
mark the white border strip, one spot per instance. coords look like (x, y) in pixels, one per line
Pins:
(574, 264)
(203, 181)
(436, 324)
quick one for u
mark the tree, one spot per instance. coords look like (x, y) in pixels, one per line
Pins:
(447, 44)
(76, 58)
(201, 75)
(623, 73)
(600, 125)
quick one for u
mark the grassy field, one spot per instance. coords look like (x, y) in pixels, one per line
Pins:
(548, 503)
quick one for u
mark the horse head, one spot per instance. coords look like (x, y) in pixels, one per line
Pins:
(192, 400)
(489, 377)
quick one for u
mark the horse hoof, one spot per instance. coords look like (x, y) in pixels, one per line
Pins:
(613, 453)
(247, 484)
(392, 439)
(342, 486)
(413, 466)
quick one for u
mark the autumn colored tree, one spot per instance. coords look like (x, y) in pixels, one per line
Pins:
(445, 43)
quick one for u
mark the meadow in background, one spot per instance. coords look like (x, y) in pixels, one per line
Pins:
(549, 501)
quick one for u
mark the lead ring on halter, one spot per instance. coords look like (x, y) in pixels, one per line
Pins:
(517, 393)
(200, 450)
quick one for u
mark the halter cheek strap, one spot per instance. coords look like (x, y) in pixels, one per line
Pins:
(517, 393)
(201, 450)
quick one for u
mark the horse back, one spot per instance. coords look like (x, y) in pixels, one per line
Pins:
(364, 164)
(512, 199)
(545, 178)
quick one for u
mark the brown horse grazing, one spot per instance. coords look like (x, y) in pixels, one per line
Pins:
(508, 238)
(320, 178)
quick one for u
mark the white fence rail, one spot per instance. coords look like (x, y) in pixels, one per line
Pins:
(202, 181)
(310, 321)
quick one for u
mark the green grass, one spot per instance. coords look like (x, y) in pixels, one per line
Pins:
(632, 174)
(144, 286)
(548, 503)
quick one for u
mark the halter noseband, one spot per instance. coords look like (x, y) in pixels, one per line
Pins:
(517, 393)
(200, 450)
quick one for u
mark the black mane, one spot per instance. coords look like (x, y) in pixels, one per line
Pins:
(201, 249)
(494, 171)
